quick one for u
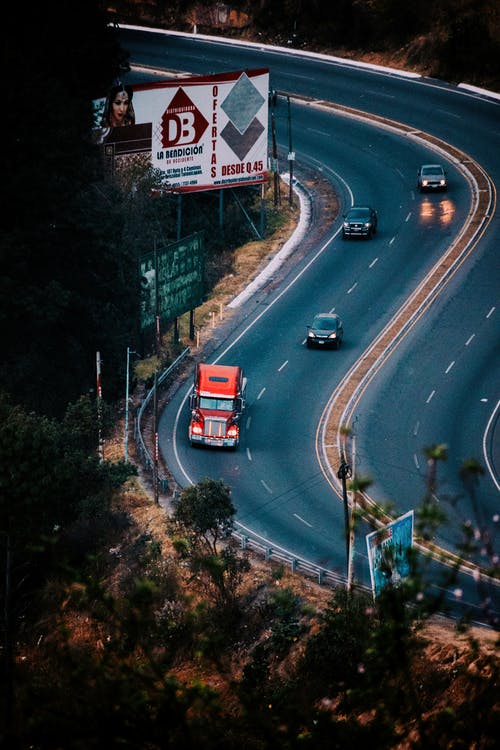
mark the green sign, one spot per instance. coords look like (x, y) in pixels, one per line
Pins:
(171, 280)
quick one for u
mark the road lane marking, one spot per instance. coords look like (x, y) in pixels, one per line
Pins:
(490, 312)
(416, 429)
(249, 455)
(430, 396)
(415, 459)
(319, 132)
(283, 365)
(261, 393)
(304, 522)
(266, 486)
(469, 339)
(449, 367)
(352, 288)
(373, 263)
(408, 217)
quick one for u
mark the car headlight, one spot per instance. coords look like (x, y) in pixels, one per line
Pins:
(332, 336)
(442, 182)
(310, 334)
(346, 224)
(425, 182)
(368, 224)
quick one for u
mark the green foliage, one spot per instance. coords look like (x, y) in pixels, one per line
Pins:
(202, 523)
(205, 513)
(59, 260)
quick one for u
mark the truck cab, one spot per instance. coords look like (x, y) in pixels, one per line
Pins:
(217, 402)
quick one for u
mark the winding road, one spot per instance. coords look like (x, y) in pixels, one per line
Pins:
(420, 361)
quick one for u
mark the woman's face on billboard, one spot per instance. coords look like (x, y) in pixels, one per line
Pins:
(119, 108)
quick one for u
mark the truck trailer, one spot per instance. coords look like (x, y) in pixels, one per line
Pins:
(217, 402)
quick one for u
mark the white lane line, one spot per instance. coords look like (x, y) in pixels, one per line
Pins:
(469, 339)
(266, 486)
(408, 217)
(490, 313)
(491, 422)
(391, 240)
(249, 455)
(416, 429)
(261, 393)
(283, 365)
(450, 114)
(304, 522)
(415, 458)
(430, 396)
(319, 132)
(352, 288)
(247, 425)
(373, 263)
(449, 367)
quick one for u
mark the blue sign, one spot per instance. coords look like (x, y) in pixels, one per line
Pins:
(388, 552)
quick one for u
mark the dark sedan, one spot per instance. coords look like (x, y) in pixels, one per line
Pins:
(360, 221)
(325, 330)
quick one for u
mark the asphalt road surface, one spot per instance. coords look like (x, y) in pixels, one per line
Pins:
(439, 386)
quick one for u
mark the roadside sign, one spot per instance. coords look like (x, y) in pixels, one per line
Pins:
(179, 286)
(388, 552)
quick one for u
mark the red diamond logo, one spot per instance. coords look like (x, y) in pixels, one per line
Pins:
(182, 122)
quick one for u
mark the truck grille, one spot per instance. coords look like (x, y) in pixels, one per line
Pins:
(215, 428)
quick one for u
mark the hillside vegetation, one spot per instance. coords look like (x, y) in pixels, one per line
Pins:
(455, 40)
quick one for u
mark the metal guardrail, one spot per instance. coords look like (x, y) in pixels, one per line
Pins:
(296, 564)
(145, 456)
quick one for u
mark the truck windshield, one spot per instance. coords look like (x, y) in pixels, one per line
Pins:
(217, 404)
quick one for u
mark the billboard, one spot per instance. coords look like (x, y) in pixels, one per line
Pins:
(388, 552)
(171, 276)
(203, 133)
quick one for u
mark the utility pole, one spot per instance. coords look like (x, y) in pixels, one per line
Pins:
(129, 352)
(343, 474)
(157, 304)
(350, 567)
(99, 407)
(155, 437)
(291, 155)
(275, 161)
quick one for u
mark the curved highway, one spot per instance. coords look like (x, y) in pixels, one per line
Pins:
(439, 386)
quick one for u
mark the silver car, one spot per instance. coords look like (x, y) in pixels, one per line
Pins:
(431, 177)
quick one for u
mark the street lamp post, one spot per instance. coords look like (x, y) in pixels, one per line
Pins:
(291, 154)
(129, 352)
(343, 474)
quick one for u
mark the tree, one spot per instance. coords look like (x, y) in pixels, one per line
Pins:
(205, 513)
(203, 516)
(67, 286)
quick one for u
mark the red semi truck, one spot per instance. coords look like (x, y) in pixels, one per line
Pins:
(217, 402)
